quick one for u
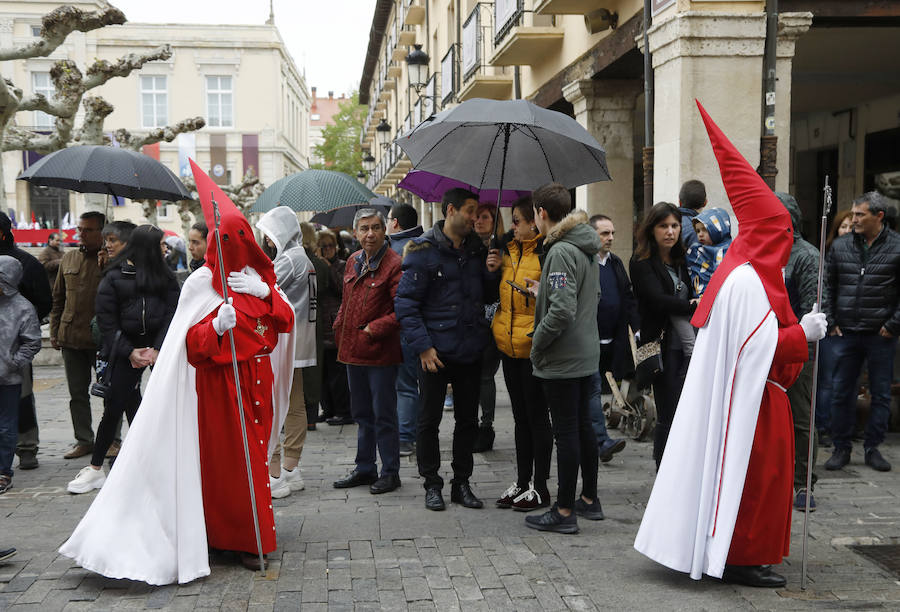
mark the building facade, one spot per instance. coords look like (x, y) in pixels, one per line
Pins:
(835, 101)
(239, 78)
(321, 113)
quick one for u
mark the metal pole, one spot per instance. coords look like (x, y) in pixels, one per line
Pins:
(815, 374)
(647, 153)
(506, 129)
(240, 400)
(768, 142)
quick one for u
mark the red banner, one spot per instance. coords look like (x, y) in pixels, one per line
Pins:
(41, 236)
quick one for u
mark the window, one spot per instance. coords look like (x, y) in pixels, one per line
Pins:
(154, 102)
(314, 116)
(40, 84)
(219, 107)
(36, 31)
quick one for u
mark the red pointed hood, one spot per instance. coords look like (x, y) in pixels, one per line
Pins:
(238, 243)
(765, 231)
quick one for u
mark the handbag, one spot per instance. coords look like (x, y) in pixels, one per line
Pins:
(647, 360)
(101, 388)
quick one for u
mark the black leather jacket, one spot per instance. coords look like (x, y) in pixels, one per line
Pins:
(862, 289)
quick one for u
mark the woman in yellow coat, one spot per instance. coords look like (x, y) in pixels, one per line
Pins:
(513, 324)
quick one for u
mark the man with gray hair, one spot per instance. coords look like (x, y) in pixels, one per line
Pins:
(367, 336)
(862, 302)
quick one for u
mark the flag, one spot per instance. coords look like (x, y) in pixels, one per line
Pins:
(187, 149)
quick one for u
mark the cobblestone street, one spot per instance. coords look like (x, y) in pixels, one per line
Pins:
(349, 550)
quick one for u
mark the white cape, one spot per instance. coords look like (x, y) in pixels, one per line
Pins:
(691, 514)
(147, 522)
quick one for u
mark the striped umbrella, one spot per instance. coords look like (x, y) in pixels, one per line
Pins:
(313, 190)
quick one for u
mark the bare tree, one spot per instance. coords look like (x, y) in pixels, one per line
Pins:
(70, 88)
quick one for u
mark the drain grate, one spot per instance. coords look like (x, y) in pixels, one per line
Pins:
(885, 555)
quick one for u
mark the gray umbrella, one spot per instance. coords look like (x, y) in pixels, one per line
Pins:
(506, 144)
(108, 170)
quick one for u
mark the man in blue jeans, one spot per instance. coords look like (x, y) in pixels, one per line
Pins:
(862, 302)
(403, 226)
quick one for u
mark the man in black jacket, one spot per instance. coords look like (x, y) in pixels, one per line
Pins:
(616, 311)
(36, 289)
(862, 302)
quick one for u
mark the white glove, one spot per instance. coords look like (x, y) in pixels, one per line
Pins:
(226, 319)
(241, 282)
(814, 324)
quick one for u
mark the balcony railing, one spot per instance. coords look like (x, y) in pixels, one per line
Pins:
(448, 76)
(506, 15)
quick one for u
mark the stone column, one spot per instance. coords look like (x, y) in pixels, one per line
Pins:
(606, 109)
(790, 27)
(717, 59)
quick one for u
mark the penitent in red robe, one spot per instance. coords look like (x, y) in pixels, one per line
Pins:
(226, 499)
(762, 532)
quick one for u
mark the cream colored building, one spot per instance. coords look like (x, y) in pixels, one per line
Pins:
(239, 78)
(836, 98)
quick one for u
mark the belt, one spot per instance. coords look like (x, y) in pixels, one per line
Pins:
(769, 380)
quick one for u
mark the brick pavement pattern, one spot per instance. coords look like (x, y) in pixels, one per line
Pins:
(345, 549)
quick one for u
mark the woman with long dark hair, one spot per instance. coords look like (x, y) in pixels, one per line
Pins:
(512, 327)
(663, 289)
(840, 225)
(135, 303)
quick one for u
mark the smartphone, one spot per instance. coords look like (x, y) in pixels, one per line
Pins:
(519, 288)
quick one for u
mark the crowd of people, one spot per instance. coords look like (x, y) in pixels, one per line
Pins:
(395, 325)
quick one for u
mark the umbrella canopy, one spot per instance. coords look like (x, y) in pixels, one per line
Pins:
(431, 188)
(315, 190)
(506, 144)
(343, 216)
(110, 170)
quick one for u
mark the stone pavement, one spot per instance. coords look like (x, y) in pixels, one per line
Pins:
(349, 550)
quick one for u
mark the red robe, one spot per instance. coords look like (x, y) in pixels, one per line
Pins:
(762, 532)
(226, 499)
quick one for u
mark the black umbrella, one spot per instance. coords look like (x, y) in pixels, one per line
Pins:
(506, 145)
(343, 216)
(109, 170)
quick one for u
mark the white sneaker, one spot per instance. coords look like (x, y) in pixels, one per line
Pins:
(294, 478)
(279, 486)
(88, 479)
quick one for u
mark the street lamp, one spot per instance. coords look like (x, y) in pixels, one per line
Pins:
(361, 177)
(383, 133)
(368, 162)
(417, 68)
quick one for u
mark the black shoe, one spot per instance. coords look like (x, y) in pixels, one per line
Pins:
(592, 511)
(407, 448)
(875, 461)
(323, 417)
(754, 576)
(839, 458)
(461, 493)
(825, 438)
(385, 484)
(27, 461)
(339, 420)
(6, 554)
(485, 440)
(434, 500)
(610, 448)
(553, 521)
(354, 479)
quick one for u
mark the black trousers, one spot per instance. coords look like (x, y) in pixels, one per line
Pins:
(335, 393)
(533, 432)
(666, 393)
(576, 442)
(124, 398)
(465, 379)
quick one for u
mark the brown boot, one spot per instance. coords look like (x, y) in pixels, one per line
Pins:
(79, 450)
(251, 561)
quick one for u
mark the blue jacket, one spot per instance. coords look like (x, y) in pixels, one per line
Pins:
(441, 298)
(399, 240)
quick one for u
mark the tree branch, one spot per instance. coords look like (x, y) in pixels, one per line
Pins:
(58, 24)
(168, 133)
(96, 110)
(101, 70)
